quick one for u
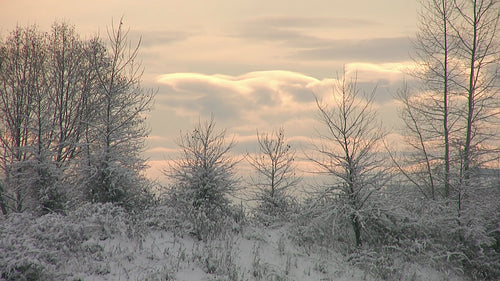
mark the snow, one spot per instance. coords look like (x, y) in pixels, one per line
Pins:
(100, 242)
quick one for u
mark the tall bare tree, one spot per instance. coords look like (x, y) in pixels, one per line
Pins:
(60, 113)
(453, 122)
(435, 49)
(117, 131)
(22, 77)
(456, 50)
(63, 102)
(480, 49)
(44, 78)
(68, 70)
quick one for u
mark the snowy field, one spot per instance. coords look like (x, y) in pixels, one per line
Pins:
(102, 242)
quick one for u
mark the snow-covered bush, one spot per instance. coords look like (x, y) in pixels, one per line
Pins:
(218, 257)
(430, 232)
(46, 247)
(407, 233)
(326, 221)
(280, 209)
(203, 223)
(318, 225)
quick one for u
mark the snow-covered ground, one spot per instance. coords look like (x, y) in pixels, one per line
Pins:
(258, 254)
(99, 242)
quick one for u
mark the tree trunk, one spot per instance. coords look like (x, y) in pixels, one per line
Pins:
(356, 226)
(445, 104)
(3, 206)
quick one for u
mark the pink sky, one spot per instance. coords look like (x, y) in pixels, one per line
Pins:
(254, 64)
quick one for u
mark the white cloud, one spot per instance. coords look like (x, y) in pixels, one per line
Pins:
(391, 71)
(248, 96)
(255, 101)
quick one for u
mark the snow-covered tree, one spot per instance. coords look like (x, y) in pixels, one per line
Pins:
(60, 114)
(203, 177)
(116, 128)
(44, 78)
(451, 119)
(347, 151)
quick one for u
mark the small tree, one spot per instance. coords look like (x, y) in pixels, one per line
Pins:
(275, 173)
(204, 177)
(348, 151)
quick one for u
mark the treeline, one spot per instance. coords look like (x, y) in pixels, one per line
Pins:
(72, 121)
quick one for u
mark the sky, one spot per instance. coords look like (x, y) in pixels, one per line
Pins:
(254, 65)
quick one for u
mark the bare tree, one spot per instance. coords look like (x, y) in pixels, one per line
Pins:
(65, 102)
(68, 84)
(21, 78)
(453, 122)
(421, 154)
(456, 51)
(348, 150)
(275, 169)
(46, 78)
(479, 45)
(60, 114)
(435, 49)
(457, 54)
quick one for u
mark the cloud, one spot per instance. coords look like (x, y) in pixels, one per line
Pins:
(243, 104)
(265, 98)
(294, 31)
(255, 101)
(368, 50)
(150, 38)
(234, 96)
(290, 37)
(383, 78)
(315, 38)
(283, 21)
